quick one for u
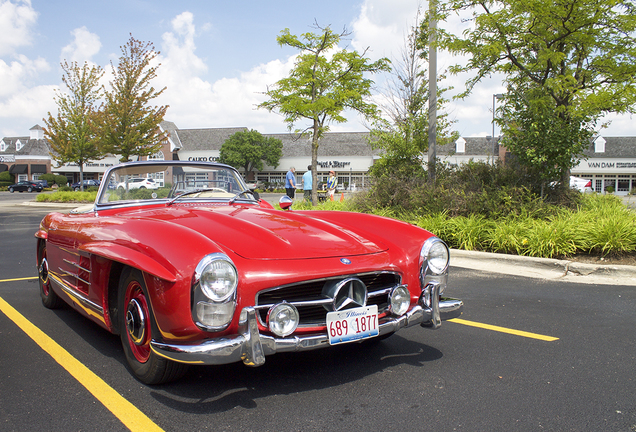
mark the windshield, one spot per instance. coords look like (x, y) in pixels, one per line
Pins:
(171, 181)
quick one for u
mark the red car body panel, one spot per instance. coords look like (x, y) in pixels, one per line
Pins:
(270, 248)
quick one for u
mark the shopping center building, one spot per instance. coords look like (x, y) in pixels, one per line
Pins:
(610, 161)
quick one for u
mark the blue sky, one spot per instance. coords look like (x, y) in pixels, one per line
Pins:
(217, 57)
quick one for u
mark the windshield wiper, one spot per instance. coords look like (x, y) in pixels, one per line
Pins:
(191, 192)
(235, 197)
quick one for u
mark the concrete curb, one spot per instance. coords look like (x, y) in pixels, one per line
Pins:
(545, 268)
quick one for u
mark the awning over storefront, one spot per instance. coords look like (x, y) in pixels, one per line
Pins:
(3, 167)
(19, 169)
(38, 169)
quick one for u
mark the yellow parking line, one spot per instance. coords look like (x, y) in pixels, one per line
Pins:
(504, 330)
(18, 279)
(126, 412)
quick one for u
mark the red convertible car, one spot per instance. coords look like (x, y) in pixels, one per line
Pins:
(201, 271)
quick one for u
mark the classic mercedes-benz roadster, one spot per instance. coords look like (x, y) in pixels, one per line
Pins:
(201, 271)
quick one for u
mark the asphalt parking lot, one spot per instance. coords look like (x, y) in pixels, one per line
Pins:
(542, 345)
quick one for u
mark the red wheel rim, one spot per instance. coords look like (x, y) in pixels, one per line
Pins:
(137, 322)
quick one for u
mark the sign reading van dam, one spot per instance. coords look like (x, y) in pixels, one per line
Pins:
(610, 165)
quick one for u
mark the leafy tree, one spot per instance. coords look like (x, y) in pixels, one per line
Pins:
(545, 142)
(130, 125)
(578, 54)
(404, 135)
(72, 133)
(248, 150)
(324, 82)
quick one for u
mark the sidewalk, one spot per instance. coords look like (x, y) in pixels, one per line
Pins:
(545, 268)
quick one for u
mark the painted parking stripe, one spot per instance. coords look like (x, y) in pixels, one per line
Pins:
(18, 279)
(126, 412)
(504, 330)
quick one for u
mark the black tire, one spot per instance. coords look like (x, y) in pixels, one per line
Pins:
(50, 300)
(29, 189)
(11, 190)
(135, 323)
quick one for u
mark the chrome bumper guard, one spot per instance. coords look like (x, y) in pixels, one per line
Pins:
(251, 347)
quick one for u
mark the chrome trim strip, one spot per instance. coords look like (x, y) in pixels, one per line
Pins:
(74, 264)
(251, 347)
(73, 275)
(80, 298)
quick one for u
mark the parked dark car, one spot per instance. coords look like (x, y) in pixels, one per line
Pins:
(87, 184)
(28, 186)
(44, 183)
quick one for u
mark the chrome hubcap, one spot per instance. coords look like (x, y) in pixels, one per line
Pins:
(43, 271)
(135, 322)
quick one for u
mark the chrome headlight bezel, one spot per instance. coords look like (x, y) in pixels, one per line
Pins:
(434, 257)
(213, 307)
(204, 277)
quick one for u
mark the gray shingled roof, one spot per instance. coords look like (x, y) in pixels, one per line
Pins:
(331, 144)
(31, 147)
(615, 147)
(205, 139)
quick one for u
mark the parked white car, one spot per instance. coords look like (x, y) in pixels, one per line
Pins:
(138, 183)
(581, 184)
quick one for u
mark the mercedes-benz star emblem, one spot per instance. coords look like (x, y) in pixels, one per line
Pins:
(346, 294)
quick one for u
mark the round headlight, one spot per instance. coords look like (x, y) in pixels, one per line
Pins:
(435, 254)
(400, 300)
(217, 277)
(283, 319)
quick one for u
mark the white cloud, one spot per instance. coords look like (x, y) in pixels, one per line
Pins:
(15, 75)
(196, 102)
(27, 108)
(383, 26)
(83, 47)
(16, 20)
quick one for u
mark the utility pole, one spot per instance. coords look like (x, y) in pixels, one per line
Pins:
(432, 90)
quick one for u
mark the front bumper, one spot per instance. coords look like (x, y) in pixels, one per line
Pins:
(251, 347)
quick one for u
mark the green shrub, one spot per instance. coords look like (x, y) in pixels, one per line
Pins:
(67, 197)
(7, 177)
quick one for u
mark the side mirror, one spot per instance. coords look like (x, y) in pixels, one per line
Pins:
(285, 202)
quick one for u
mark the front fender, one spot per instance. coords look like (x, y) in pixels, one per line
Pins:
(130, 257)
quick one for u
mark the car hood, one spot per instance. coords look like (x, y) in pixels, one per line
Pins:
(256, 233)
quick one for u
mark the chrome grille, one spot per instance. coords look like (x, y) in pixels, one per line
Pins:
(309, 300)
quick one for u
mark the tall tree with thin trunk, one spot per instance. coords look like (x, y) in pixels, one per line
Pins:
(72, 134)
(573, 60)
(324, 82)
(130, 125)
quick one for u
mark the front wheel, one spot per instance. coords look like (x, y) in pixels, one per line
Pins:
(135, 320)
(11, 189)
(50, 300)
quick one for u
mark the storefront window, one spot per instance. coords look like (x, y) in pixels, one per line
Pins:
(623, 183)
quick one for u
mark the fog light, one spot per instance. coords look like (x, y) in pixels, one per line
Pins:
(215, 315)
(282, 319)
(400, 300)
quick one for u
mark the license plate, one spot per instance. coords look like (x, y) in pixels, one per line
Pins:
(352, 324)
